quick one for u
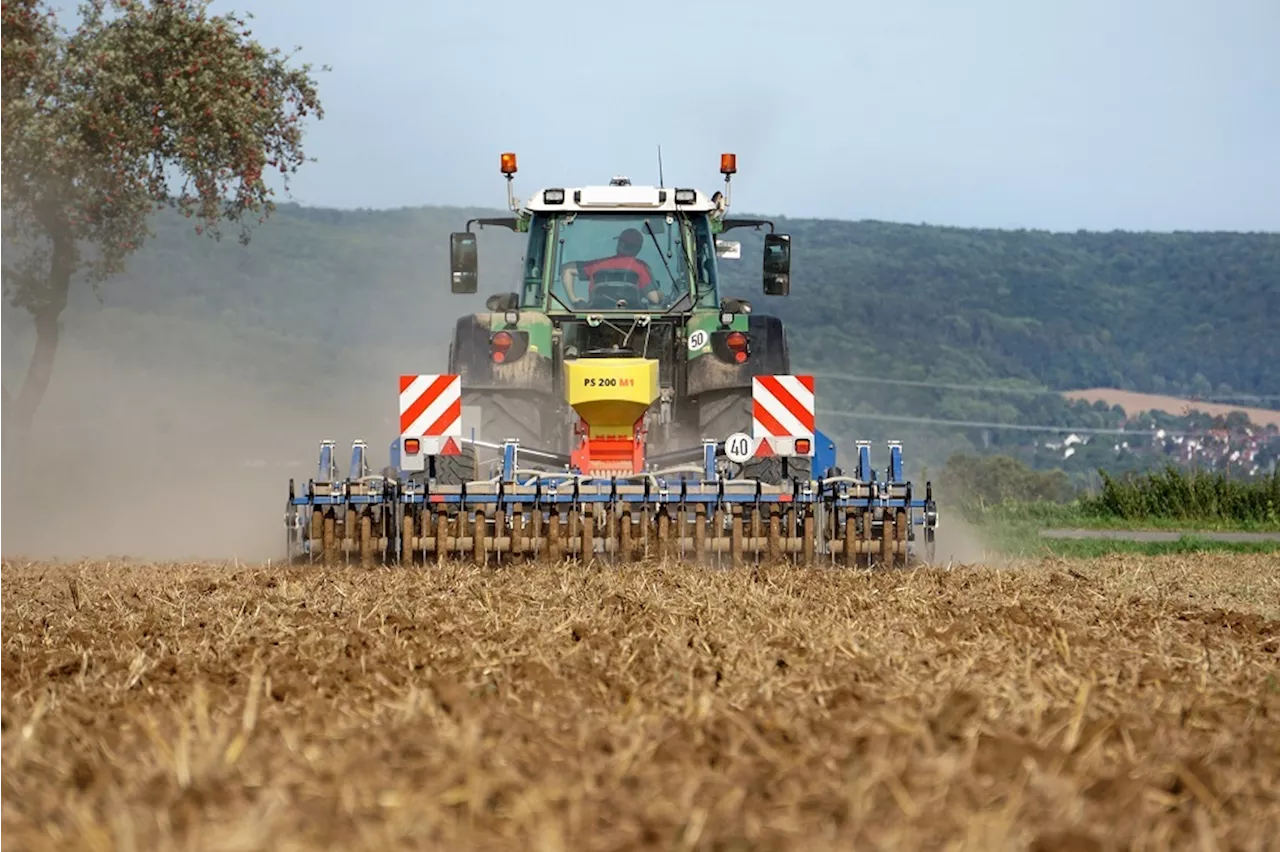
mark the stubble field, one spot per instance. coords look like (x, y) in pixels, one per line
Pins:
(1106, 704)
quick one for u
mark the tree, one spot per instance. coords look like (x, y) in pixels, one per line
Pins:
(1237, 421)
(974, 480)
(99, 122)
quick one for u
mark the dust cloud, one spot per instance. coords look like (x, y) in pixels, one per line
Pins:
(166, 455)
(962, 543)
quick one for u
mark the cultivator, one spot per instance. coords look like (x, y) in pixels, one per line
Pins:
(530, 505)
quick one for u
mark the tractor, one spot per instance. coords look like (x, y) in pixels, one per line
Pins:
(619, 271)
(633, 409)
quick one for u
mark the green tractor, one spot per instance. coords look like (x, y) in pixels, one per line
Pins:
(618, 271)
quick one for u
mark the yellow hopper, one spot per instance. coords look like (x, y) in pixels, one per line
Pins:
(611, 396)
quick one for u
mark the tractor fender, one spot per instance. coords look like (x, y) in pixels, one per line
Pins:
(769, 356)
(470, 356)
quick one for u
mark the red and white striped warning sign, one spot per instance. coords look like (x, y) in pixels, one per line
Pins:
(782, 411)
(431, 408)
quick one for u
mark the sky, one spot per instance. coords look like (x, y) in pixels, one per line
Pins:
(1058, 114)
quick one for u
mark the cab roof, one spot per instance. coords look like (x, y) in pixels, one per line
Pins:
(620, 196)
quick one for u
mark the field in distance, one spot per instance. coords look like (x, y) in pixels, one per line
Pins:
(1133, 403)
(1099, 704)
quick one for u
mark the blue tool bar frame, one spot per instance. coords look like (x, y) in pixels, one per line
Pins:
(710, 489)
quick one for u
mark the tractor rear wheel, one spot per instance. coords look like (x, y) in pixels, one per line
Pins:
(455, 470)
(503, 415)
(776, 470)
(722, 413)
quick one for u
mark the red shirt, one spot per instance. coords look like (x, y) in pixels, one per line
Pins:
(622, 261)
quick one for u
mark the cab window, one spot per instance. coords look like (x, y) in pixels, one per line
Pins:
(659, 245)
(535, 262)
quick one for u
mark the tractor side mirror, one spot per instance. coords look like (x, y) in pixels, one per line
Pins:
(463, 262)
(777, 264)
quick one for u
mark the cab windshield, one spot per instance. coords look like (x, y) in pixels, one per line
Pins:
(627, 261)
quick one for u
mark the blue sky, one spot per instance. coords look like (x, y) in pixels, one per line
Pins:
(1059, 114)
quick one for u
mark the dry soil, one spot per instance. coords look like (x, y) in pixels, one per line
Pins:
(1114, 704)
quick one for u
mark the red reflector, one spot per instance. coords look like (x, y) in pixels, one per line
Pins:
(739, 357)
(411, 446)
(736, 340)
(802, 445)
(499, 356)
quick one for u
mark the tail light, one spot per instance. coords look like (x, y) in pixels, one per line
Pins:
(507, 345)
(737, 343)
(411, 446)
(500, 342)
(802, 446)
(731, 346)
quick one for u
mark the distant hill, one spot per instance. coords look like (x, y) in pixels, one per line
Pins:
(322, 293)
(1184, 313)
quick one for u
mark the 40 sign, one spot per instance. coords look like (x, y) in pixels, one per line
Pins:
(739, 447)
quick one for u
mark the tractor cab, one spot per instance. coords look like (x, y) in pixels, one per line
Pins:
(620, 248)
(617, 272)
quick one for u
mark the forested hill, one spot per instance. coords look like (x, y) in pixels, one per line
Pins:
(1183, 313)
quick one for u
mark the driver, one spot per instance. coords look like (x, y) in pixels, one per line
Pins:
(630, 242)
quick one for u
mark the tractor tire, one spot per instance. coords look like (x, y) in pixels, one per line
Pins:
(504, 415)
(723, 413)
(456, 470)
(776, 471)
